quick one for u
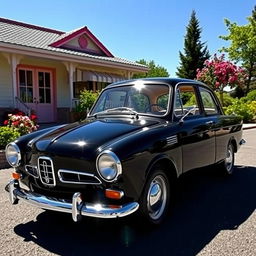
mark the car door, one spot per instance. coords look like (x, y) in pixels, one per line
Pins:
(196, 134)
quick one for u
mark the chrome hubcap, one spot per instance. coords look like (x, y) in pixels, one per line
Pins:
(229, 159)
(157, 197)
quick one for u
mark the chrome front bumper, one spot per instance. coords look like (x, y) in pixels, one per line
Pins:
(77, 208)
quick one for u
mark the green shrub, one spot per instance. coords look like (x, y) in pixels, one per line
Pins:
(227, 99)
(247, 110)
(7, 135)
(251, 96)
(87, 99)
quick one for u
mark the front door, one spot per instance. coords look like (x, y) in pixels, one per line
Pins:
(35, 89)
(195, 132)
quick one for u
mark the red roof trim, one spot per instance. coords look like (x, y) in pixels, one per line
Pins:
(13, 22)
(81, 31)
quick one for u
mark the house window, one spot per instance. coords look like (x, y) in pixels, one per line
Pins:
(26, 85)
(88, 85)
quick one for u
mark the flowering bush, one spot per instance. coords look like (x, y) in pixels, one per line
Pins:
(220, 73)
(21, 123)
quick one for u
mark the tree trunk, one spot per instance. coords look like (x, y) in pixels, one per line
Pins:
(221, 98)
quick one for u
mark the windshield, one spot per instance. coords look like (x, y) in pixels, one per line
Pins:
(149, 99)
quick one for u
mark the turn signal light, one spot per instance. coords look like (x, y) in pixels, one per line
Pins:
(114, 194)
(16, 175)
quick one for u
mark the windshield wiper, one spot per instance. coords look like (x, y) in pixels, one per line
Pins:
(117, 111)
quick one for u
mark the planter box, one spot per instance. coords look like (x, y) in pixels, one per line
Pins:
(3, 161)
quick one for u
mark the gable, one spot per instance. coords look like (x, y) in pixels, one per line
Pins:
(82, 40)
(84, 44)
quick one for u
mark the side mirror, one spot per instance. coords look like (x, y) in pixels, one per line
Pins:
(190, 111)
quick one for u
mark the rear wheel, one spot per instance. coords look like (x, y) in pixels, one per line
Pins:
(227, 165)
(155, 197)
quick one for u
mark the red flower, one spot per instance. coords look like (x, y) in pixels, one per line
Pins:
(5, 122)
(33, 117)
(16, 123)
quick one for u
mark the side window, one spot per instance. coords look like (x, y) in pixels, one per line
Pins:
(209, 104)
(186, 100)
(162, 101)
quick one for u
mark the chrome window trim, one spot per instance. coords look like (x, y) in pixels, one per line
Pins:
(79, 173)
(184, 83)
(212, 97)
(33, 166)
(53, 174)
(118, 163)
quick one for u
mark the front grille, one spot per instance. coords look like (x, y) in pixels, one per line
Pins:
(69, 176)
(46, 171)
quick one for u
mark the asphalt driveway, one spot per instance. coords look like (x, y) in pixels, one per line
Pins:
(213, 215)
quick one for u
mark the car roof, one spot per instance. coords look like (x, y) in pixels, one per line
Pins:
(168, 80)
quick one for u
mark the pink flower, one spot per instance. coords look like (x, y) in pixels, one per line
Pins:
(217, 84)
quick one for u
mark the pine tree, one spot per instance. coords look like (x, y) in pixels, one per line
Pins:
(195, 52)
(254, 13)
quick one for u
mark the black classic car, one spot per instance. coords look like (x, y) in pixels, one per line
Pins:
(138, 138)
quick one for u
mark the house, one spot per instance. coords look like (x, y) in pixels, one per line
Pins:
(43, 69)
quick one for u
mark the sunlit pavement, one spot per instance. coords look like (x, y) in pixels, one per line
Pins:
(213, 215)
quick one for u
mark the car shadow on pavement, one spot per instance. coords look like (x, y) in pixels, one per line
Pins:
(206, 203)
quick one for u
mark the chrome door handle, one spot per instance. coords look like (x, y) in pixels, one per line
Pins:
(210, 123)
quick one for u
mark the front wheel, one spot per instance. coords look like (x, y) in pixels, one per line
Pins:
(155, 197)
(227, 165)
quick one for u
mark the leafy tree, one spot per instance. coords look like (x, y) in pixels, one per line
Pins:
(154, 70)
(195, 52)
(220, 73)
(243, 45)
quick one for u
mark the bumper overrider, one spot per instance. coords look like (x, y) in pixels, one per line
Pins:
(77, 208)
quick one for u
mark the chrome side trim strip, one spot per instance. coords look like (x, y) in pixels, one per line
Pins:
(79, 174)
(77, 207)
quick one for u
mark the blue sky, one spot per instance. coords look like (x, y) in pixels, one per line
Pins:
(135, 29)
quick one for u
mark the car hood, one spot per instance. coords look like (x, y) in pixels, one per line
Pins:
(85, 139)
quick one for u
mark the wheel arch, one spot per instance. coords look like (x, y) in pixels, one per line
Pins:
(168, 165)
(233, 142)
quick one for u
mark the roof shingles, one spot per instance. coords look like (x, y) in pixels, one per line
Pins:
(13, 32)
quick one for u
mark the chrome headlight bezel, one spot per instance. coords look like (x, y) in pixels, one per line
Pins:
(16, 162)
(115, 160)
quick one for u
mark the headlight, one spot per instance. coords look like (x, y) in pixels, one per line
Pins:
(13, 155)
(109, 166)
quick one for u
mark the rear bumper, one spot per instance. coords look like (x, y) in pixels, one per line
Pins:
(77, 207)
